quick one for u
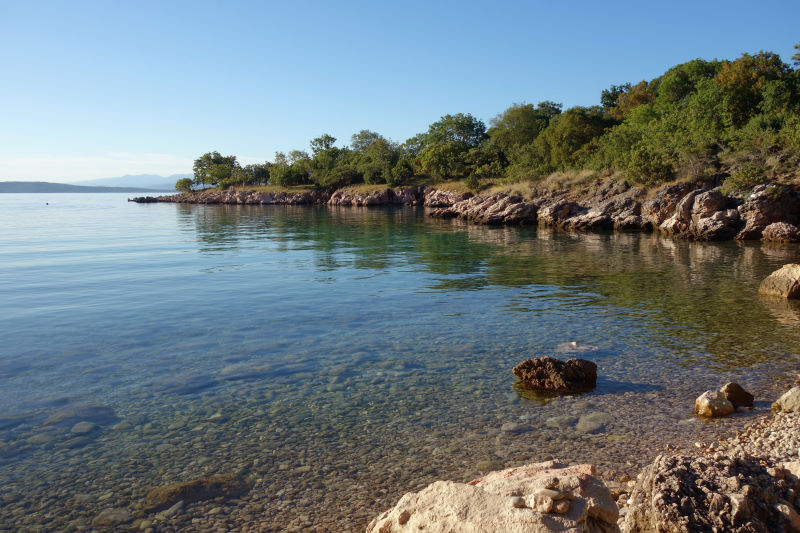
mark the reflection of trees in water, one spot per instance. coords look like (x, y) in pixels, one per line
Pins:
(696, 294)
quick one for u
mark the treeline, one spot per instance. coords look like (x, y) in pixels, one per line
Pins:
(695, 119)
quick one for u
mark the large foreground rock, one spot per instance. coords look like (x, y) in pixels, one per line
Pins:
(682, 494)
(534, 498)
(225, 485)
(552, 375)
(783, 283)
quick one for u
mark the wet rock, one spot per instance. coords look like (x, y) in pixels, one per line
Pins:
(222, 485)
(712, 404)
(82, 412)
(535, 497)
(789, 401)
(112, 517)
(781, 232)
(685, 494)
(552, 375)
(783, 283)
(735, 394)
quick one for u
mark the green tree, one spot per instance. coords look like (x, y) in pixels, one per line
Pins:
(212, 167)
(609, 97)
(184, 184)
(562, 145)
(520, 124)
(322, 143)
(360, 141)
(447, 143)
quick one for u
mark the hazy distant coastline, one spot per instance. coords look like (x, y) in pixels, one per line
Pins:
(46, 187)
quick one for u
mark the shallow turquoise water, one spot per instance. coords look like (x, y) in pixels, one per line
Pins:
(342, 356)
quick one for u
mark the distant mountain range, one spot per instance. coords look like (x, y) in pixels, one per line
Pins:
(146, 181)
(45, 187)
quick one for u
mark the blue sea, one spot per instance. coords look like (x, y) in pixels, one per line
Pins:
(338, 358)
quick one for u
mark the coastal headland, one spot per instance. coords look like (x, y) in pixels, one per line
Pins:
(768, 212)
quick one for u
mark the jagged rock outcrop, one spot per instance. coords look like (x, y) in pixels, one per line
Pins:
(495, 209)
(557, 212)
(540, 497)
(240, 197)
(702, 215)
(783, 283)
(398, 196)
(781, 232)
(438, 198)
(682, 494)
(766, 205)
(552, 375)
(771, 212)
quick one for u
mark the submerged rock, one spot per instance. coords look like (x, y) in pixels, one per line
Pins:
(536, 497)
(222, 485)
(713, 404)
(82, 412)
(112, 517)
(552, 375)
(783, 283)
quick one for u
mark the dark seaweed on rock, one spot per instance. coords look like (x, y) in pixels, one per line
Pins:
(553, 375)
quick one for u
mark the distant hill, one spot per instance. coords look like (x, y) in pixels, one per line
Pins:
(45, 187)
(147, 181)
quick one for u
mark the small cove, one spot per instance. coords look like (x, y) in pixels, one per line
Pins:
(341, 357)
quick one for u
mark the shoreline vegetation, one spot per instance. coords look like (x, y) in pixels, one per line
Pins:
(708, 150)
(710, 123)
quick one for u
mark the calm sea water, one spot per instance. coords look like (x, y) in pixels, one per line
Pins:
(338, 358)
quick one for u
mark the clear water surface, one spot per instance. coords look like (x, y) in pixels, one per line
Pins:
(338, 358)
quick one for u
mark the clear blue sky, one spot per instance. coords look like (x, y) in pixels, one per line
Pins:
(98, 89)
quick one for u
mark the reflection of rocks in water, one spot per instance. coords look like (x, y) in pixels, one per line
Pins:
(787, 312)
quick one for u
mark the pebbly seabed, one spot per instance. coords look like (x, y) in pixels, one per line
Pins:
(334, 359)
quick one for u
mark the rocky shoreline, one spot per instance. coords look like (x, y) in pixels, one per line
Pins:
(746, 483)
(769, 212)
